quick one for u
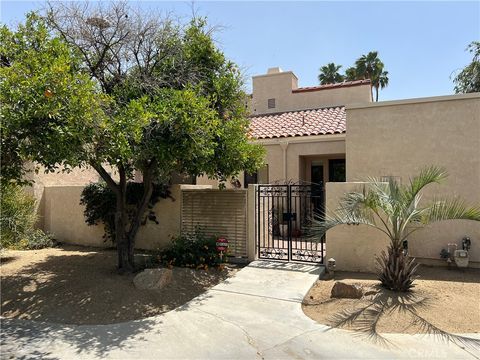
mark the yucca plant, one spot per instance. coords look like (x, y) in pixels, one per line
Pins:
(395, 210)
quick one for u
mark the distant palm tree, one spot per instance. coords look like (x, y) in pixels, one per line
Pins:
(329, 74)
(382, 83)
(371, 67)
(351, 74)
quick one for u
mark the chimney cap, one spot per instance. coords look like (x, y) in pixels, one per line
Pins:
(274, 70)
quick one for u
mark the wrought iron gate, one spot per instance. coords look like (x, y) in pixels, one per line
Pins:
(283, 218)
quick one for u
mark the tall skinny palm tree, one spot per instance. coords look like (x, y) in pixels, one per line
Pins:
(329, 74)
(382, 83)
(371, 67)
(394, 209)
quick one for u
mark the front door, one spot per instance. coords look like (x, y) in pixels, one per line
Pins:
(317, 190)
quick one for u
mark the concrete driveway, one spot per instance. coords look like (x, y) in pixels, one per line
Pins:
(254, 315)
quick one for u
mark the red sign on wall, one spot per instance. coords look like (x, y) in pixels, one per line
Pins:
(222, 244)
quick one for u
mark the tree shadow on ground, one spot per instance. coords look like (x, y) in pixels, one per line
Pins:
(364, 319)
(19, 337)
(82, 287)
(7, 259)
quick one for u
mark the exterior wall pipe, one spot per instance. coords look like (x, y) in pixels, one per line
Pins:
(284, 146)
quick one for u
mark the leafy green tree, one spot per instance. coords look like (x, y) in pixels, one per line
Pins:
(329, 74)
(159, 98)
(395, 210)
(42, 94)
(369, 66)
(468, 80)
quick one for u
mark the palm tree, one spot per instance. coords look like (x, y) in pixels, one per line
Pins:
(351, 74)
(394, 209)
(329, 74)
(382, 83)
(371, 67)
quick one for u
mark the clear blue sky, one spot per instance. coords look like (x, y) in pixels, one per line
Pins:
(421, 43)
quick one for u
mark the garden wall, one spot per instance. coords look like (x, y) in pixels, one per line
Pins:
(64, 219)
(353, 247)
(212, 211)
(398, 138)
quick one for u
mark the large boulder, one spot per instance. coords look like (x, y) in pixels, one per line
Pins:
(346, 291)
(153, 279)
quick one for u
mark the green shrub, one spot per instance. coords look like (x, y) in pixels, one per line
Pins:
(37, 239)
(193, 251)
(100, 202)
(17, 220)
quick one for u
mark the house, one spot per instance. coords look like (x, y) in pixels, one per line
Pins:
(302, 129)
(333, 137)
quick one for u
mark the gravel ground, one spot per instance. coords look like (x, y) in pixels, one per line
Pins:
(452, 300)
(80, 285)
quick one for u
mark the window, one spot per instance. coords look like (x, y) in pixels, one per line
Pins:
(336, 170)
(258, 177)
(249, 179)
(271, 103)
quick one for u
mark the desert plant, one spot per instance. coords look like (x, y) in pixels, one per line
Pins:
(194, 251)
(395, 210)
(36, 239)
(18, 218)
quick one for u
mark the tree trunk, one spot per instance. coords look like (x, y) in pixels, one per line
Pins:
(395, 270)
(376, 94)
(126, 261)
(125, 240)
(141, 207)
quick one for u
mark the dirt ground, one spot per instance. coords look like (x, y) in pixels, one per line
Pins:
(452, 301)
(79, 285)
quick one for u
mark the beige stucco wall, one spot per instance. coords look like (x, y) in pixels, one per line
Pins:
(281, 86)
(64, 219)
(399, 138)
(295, 155)
(354, 247)
(288, 154)
(42, 180)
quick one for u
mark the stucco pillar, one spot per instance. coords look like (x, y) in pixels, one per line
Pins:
(251, 248)
(284, 146)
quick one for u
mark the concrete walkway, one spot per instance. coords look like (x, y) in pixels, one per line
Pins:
(254, 315)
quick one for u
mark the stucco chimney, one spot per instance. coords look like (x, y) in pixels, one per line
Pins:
(274, 70)
(272, 90)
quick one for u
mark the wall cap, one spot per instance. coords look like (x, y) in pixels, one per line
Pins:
(275, 74)
(469, 96)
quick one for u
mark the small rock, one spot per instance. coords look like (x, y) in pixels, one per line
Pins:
(153, 279)
(346, 291)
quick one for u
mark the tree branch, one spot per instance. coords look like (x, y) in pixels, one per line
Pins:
(105, 176)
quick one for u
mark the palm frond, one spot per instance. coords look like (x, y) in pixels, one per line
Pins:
(319, 226)
(363, 321)
(428, 175)
(427, 327)
(453, 209)
(347, 317)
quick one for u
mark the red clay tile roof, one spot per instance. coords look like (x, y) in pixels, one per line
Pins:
(332, 86)
(322, 121)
